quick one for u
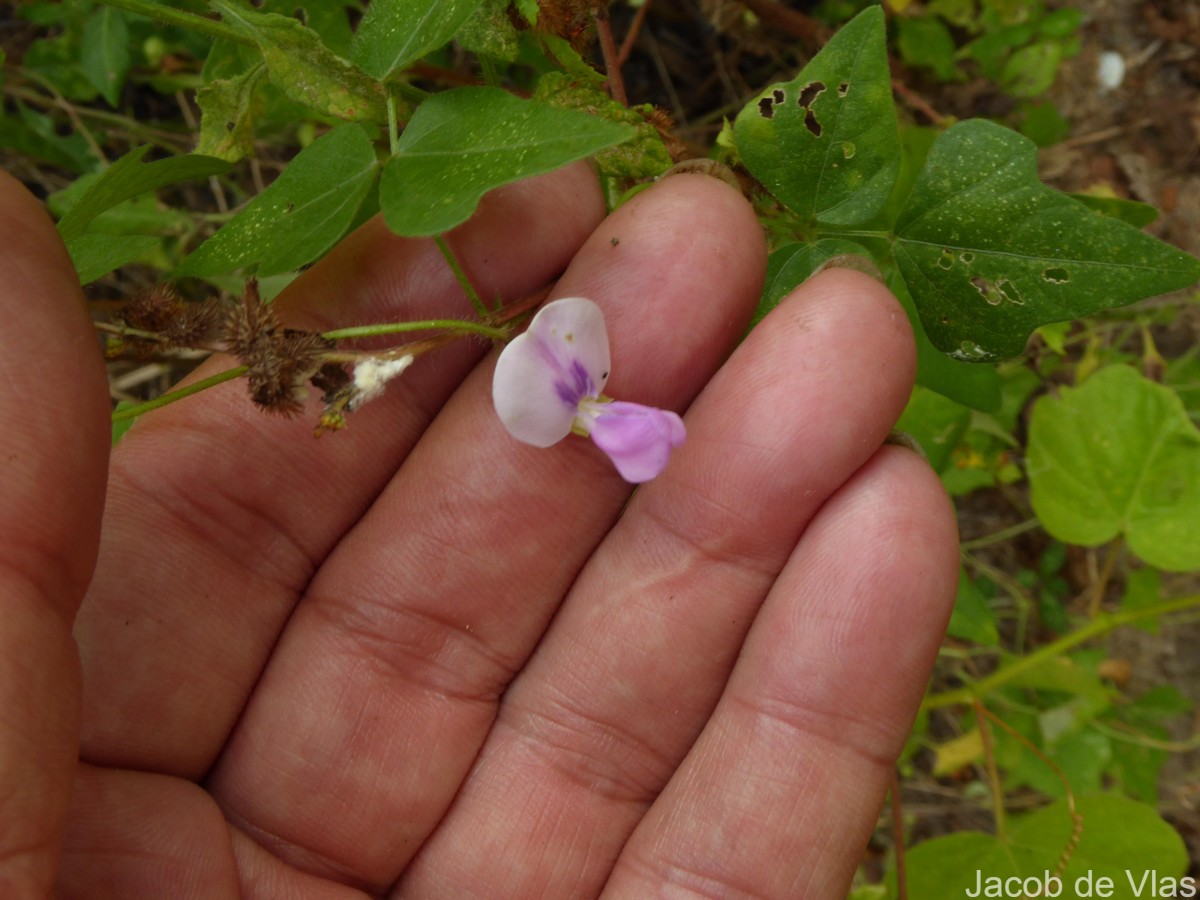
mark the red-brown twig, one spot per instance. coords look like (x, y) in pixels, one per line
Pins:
(612, 63)
(631, 37)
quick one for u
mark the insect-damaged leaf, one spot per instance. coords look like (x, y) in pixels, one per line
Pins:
(462, 143)
(301, 66)
(990, 253)
(826, 143)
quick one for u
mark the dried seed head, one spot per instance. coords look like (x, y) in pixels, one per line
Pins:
(177, 323)
(280, 360)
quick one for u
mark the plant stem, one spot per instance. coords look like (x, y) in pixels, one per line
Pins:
(608, 47)
(459, 325)
(1102, 624)
(169, 16)
(459, 274)
(393, 127)
(1101, 585)
(1000, 536)
(171, 396)
(989, 754)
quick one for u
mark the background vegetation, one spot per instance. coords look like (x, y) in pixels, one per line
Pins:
(1060, 730)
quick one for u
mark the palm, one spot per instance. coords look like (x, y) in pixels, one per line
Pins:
(422, 654)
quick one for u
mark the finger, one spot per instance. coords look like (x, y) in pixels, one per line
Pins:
(219, 514)
(389, 674)
(53, 415)
(782, 790)
(136, 834)
(637, 657)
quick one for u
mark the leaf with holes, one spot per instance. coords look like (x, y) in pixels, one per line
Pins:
(462, 143)
(300, 215)
(989, 253)
(1118, 455)
(826, 143)
(301, 66)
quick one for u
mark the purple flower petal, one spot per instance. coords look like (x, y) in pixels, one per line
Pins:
(544, 374)
(638, 439)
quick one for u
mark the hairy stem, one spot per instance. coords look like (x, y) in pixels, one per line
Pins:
(171, 396)
(461, 276)
(458, 325)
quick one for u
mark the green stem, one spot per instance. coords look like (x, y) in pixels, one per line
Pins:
(461, 276)
(393, 126)
(181, 18)
(170, 397)
(1000, 536)
(358, 331)
(1102, 624)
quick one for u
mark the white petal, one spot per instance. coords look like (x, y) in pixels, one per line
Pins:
(543, 374)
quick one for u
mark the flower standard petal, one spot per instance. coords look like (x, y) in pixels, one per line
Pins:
(544, 374)
(638, 439)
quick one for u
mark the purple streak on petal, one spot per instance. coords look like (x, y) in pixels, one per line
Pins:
(573, 384)
(638, 439)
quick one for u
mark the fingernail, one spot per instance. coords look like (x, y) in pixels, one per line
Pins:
(709, 167)
(854, 261)
(904, 439)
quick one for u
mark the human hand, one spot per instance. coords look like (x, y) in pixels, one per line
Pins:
(420, 656)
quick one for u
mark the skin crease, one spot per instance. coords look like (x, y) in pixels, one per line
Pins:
(418, 657)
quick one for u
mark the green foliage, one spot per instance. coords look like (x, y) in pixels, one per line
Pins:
(301, 215)
(1119, 456)
(105, 55)
(464, 142)
(302, 67)
(980, 253)
(825, 143)
(395, 33)
(1117, 836)
(990, 252)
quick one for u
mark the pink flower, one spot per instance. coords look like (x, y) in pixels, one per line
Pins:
(548, 383)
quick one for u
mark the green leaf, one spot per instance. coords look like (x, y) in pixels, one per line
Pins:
(128, 177)
(644, 156)
(793, 264)
(395, 33)
(227, 109)
(95, 255)
(462, 143)
(1118, 455)
(1143, 588)
(938, 424)
(104, 54)
(490, 32)
(972, 619)
(1120, 840)
(305, 69)
(1132, 212)
(990, 253)
(300, 215)
(975, 386)
(826, 143)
